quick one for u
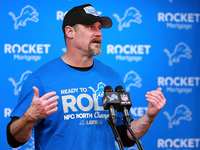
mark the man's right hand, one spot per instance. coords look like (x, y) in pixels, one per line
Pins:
(42, 107)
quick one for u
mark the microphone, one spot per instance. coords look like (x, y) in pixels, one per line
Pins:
(110, 102)
(125, 103)
(124, 107)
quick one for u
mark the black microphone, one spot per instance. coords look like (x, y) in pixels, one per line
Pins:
(110, 102)
(125, 103)
(124, 107)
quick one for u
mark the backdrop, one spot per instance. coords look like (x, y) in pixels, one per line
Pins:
(152, 43)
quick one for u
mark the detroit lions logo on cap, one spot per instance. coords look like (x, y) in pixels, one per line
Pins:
(90, 10)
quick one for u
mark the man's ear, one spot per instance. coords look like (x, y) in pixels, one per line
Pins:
(69, 31)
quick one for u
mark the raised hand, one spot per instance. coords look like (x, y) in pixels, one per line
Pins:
(156, 101)
(42, 107)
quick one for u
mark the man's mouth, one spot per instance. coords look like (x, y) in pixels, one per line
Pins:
(98, 41)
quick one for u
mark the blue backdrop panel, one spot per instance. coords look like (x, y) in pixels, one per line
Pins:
(151, 44)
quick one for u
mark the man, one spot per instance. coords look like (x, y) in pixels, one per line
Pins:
(62, 99)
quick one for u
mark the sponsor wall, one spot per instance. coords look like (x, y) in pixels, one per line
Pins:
(151, 44)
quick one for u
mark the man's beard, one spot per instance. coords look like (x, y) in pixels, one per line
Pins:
(97, 50)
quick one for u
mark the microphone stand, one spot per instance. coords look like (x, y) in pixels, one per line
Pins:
(139, 145)
(112, 124)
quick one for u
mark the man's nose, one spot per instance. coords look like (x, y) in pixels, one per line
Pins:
(98, 32)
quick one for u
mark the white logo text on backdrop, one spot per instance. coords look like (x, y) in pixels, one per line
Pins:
(179, 84)
(128, 52)
(178, 143)
(179, 20)
(28, 52)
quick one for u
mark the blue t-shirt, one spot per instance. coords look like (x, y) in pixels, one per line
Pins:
(80, 121)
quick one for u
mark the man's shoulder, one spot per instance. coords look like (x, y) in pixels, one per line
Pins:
(102, 66)
(47, 68)
(99, 63)
(49, 65)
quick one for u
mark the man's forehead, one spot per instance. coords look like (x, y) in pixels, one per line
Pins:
(98, 23)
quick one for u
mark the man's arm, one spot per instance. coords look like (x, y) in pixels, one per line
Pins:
(156, 102)
(40, 108)
(21, 129)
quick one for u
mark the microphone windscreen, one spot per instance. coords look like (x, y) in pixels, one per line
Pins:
(108, 89)
(119, 89)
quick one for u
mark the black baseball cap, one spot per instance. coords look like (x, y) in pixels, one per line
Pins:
(84, 14)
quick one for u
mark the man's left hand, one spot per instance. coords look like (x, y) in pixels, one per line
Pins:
(156, 101)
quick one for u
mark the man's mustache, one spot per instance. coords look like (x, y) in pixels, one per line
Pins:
(95, 41)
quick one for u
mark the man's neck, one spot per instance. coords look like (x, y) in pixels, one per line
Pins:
(81, 68)
(77, 61)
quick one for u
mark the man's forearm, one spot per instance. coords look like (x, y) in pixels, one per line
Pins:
(140, 126)
(21, 129)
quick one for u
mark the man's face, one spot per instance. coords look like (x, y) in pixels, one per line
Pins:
(88, 38)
